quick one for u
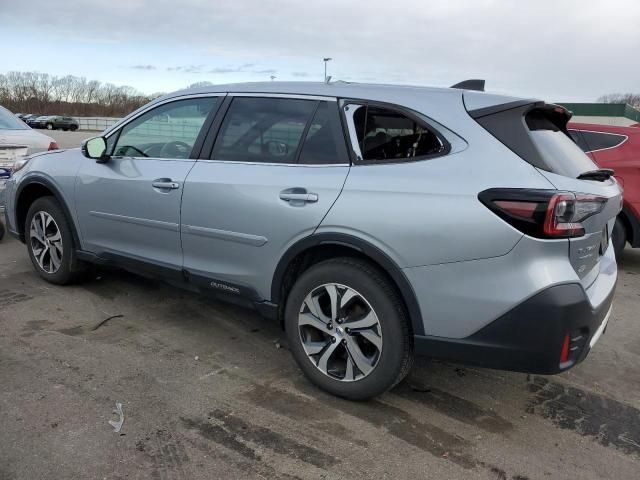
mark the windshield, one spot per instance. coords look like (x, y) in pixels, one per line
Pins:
(8, 121)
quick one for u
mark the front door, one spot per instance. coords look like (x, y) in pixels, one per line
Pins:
(277, 167)
(130, 206)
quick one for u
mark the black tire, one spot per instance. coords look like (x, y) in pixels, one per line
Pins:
(619, 237)
(49, 126)
(71, 269)
(73, 128)
(64, 129)
(396, 356)
(1, 230)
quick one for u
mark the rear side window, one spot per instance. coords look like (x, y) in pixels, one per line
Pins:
(384, 134)
(600, 140)
(265, 130)
(539, 136)
(324, 143)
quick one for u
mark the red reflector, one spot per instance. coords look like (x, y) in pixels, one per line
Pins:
(564, 354)
(520, 209)
(53, 146)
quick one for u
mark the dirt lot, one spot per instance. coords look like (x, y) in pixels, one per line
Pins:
(209, 390)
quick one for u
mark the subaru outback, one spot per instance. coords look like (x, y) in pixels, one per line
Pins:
(375, 222)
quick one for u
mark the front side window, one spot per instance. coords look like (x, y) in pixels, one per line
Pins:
(265, 130)
(167, 131)
(384, 134)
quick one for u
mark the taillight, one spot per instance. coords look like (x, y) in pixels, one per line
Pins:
(543, 213)
(53, 146)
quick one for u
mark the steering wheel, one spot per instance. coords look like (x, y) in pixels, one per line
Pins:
(125, 148)
(175, 149)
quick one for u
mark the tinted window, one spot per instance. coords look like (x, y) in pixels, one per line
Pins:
(324, 143)
(385, 134)
(540, 140)
(576, 136)
(263, 130)
(167, 131)
(599, 140)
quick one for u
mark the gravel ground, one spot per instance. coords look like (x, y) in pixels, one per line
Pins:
(209, 390)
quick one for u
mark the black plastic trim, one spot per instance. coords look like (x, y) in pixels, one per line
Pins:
(502, 107)
(374, 253)
(40, 180)
(220, 289)
(471, 84)
(529, 337)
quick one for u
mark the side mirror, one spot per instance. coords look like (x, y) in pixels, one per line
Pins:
(96, 148)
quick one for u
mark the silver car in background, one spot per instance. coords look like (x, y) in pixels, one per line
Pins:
(373, 221)
(17, 140)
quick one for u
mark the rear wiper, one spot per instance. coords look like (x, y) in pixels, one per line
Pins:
(600, 175)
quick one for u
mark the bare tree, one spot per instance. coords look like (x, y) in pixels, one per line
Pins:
(33, 92)
(632, 99)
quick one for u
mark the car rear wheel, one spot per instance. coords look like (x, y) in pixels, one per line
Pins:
(73, 128)
(619, 237)
(347, 329)
(50, 243)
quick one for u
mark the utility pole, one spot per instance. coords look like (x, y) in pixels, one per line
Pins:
(325, 60)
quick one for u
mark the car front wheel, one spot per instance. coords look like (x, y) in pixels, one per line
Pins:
(49, 126)
(347, 329)
(50, 242)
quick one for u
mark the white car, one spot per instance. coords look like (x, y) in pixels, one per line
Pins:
(17, 140)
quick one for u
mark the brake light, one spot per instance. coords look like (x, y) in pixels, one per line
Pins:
(543, 213)
(53, 146)
(564, 354)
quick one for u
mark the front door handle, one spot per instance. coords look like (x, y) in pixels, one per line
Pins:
(298, 196)
(165, 183)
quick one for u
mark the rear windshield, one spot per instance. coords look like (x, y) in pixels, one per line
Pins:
(8, 121)
(539, 136)
(560, 153)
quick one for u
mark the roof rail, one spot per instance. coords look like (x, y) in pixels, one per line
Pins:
(472, 84)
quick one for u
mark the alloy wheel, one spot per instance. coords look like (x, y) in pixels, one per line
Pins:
(340, 332)
(46, 242)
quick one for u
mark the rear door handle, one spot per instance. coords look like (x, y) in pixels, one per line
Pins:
(165, 183)
(298, 196)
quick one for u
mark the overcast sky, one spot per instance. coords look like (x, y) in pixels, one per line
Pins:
(562, 50)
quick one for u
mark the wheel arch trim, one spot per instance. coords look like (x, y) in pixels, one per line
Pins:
(363, 247)
(57, 194)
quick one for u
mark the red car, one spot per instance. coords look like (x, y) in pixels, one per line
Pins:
(617, 148)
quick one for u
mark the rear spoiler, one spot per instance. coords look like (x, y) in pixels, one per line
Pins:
(472, 84)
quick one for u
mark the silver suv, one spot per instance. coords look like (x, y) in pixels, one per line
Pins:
(373, 221)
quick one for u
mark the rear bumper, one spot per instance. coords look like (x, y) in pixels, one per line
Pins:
(530, 337)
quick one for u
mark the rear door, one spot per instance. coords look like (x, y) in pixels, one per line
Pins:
(276, 167)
